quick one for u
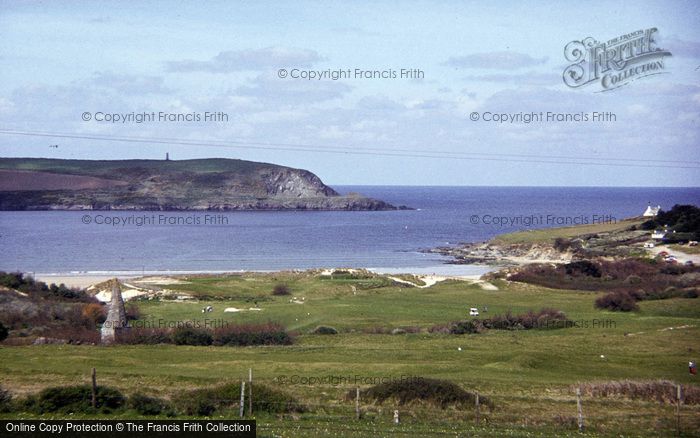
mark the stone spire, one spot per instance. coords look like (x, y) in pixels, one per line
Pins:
(116, 315)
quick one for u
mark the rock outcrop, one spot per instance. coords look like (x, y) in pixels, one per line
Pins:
(211, 184)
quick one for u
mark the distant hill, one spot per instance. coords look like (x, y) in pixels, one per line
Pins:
(168, 185)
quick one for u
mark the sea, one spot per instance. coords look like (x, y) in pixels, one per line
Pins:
(135, 243)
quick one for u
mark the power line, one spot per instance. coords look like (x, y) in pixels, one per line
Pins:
(476, 156)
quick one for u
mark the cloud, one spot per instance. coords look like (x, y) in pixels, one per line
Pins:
(379, 103)
(272, 89)
(131, 84)
(249, 59)
(495, 60)
(683, 48)
(529, 78)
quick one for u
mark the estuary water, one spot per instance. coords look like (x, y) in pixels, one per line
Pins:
(388, 241)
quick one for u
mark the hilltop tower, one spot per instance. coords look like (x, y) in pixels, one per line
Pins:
(116, 316)
(167, 156)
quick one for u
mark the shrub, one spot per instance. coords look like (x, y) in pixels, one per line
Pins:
(77, 399)
(467, 327)
(583, 267)
(615, 275)
(146, 405)
(441, 393)
(95, 313)
(147, 336)
(617, 301)
(662, 391)
(252, 334)
(22, 283)
(543, 319)
(192, 336)
(3, 332)
(206, 401)
(439, 328)
(633, 279)
(324, 330)
(281, 289)
(133, 312)
(690, 293)
(5, 400)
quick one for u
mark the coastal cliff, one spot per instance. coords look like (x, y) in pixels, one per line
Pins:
(167, 185)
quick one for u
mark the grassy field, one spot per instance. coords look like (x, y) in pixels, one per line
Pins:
(685, 249)
(548, 235)
(529, 375)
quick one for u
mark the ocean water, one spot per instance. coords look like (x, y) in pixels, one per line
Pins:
(389, 241)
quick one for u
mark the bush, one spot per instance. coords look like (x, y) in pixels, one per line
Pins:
(206, 401)
(662, 391)
(583, 267)
(33, 288)
(192, 336)
(146, 405)
(145, 336)
(324, 330)
(441, 393)
(3, 332)
(690, 293)
(133, 312)
(633, 279)
(95, 313)
(5, 400)
(281, 289)
(252, 334)
(467, 327)
(543, 319)
(77, 399)
(617, 302)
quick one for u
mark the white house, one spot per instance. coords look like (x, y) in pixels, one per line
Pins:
(651, 211)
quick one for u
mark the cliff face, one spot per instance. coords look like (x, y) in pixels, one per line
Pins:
(212, 184)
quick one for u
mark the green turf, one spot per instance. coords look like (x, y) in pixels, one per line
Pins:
(528, 374)
(548, 235)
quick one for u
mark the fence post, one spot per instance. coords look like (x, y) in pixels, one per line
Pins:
(678, 409)
(478, 409)
(250, 391)
(357, 403)
(94, 388)
(242, 398)
(580, 409)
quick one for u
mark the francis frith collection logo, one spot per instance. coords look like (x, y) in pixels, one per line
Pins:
(614, 63)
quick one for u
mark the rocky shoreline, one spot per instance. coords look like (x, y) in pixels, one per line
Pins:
(625, 242)
(492, 254)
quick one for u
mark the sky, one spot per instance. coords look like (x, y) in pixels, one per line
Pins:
(62, 60)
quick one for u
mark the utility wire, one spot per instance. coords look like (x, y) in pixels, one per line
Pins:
(236, 144)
